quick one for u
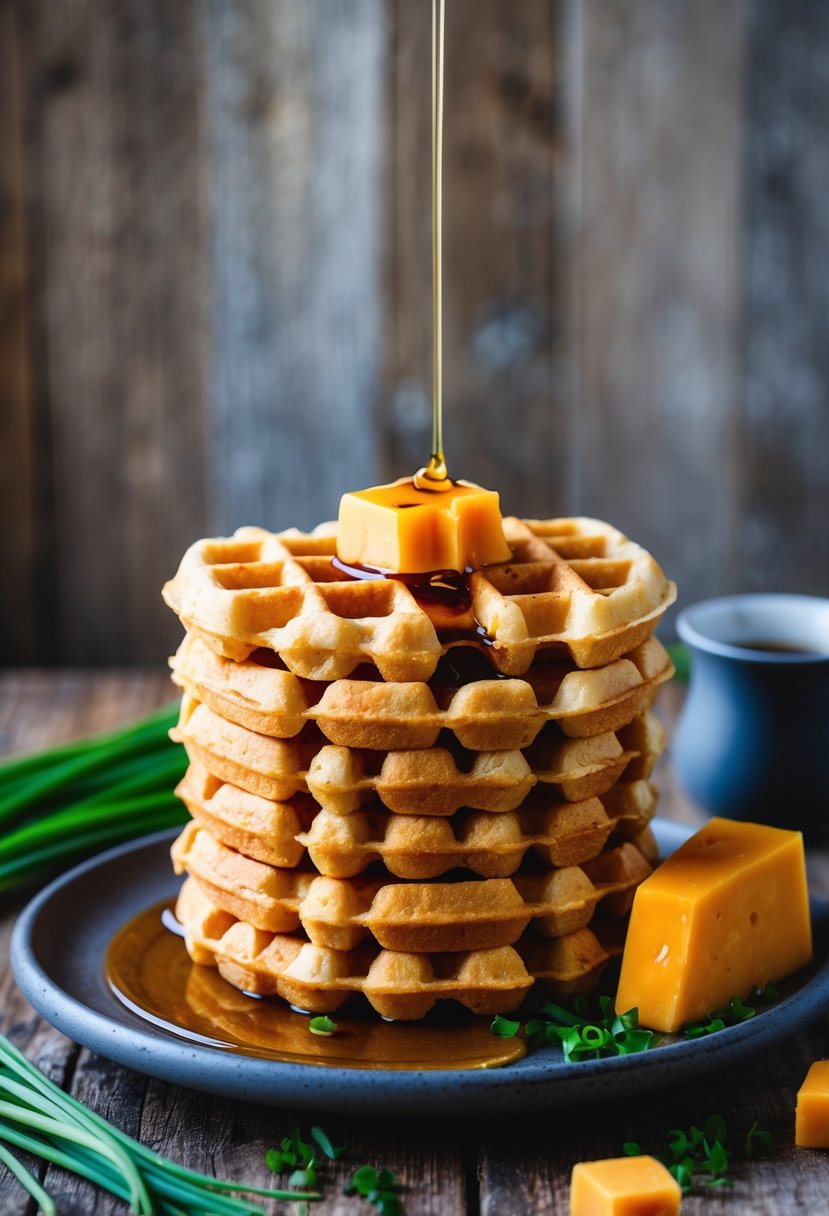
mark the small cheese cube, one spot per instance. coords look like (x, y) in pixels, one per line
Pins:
(623, 1186)
(812, 1116)
(726, 911)
(413, 531)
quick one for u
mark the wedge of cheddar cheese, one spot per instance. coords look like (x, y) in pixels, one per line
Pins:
(727, 911)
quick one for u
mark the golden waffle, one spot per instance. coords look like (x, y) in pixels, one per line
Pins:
(414, 846)
(568, 966)
(483, 714)
(432, 780)
(410, 846)
(398, 985)
(423, 846)
(645, 737)
(631, 805)
(258, 827)
(341, 780)
(573, 585)
(421, 917)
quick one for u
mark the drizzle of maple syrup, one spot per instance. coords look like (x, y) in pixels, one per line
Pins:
(148, 969)
(445, 596)
(435, 477)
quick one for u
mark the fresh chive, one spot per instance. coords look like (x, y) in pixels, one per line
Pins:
(147, 773)
(504, 1028)
(732, 1014)
(324, 1026)
(160, 721)
(67, 850)
(379, 1187)
(698, 1157)
(605, 1034)
(58, 805)
(28, 1181)
(92, 757)
(40, 1118)
(758, 1140)
(73, 820)
(323, 1140)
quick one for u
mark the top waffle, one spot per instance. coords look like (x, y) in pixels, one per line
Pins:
(573, 585)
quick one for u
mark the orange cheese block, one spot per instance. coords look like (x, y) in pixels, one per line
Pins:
(726, 911)
(414, 531)
(811, 1129)
(623, 1186)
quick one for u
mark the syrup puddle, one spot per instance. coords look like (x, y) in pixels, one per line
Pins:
(149, 971)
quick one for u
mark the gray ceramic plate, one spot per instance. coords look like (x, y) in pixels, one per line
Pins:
(60, 940)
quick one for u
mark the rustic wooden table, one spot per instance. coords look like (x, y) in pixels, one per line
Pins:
(450, 1167)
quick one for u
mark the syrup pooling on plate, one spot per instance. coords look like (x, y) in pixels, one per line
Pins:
(148, 969)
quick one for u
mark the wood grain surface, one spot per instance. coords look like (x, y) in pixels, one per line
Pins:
(215, 298)
(450, 1167)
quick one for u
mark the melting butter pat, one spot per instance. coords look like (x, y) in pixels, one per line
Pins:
(623, 1186)
(811, 1129)
(411, 531)
(728, 910)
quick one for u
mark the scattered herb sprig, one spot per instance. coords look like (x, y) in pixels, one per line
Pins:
(758, 1140)
(379, 1187)
(38, 1117)
(324, 1026)
(699, 1158)
(301, 1156)
(584, 1033)
(59, 805)
(732, 1014)
(696, 1157)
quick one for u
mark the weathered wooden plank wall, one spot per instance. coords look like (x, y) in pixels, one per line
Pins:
(294, 126)
(782, 432)
(214, 291)
(16, 432)
(117, 293)
(660, 276)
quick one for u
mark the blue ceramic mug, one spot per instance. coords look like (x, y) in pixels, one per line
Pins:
(753, 739)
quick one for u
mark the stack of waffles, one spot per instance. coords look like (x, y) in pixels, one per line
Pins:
(412, 796)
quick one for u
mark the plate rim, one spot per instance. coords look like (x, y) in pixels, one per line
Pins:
(534, 1083)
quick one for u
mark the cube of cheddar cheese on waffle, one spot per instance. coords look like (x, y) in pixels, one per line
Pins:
(573, 586)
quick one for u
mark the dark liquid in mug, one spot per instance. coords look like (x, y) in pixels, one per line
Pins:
(776, 647)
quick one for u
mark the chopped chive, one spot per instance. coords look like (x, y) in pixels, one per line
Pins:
(609, 1034)
(504, 1028)
(324, 1026)
(325, 1144)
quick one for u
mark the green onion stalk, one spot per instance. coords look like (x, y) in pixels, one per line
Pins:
(39, 1118)
(60, 805)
